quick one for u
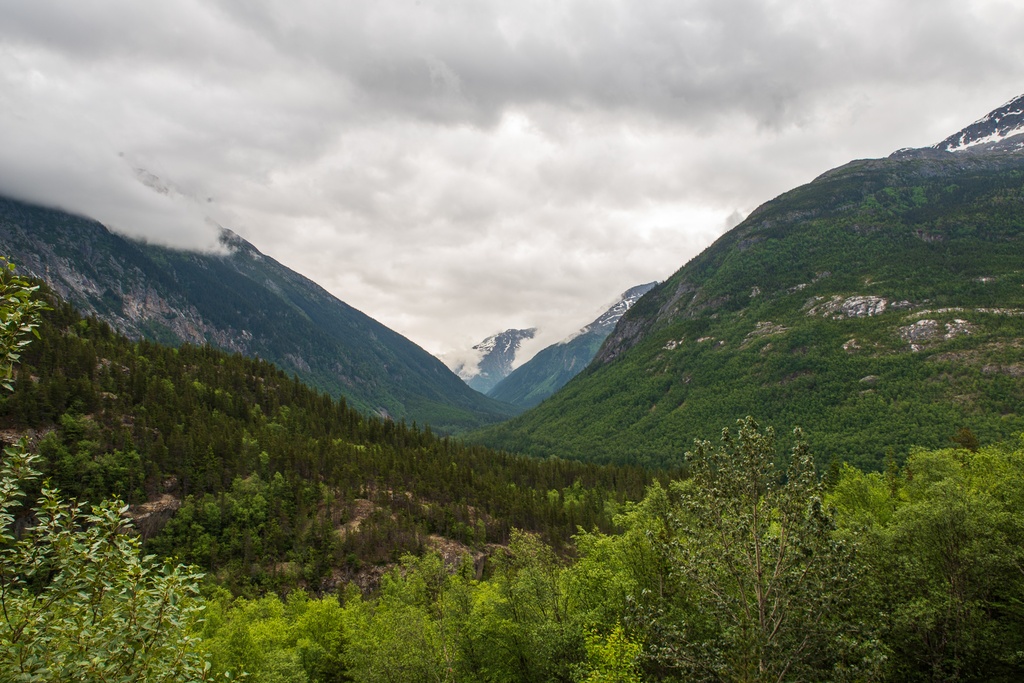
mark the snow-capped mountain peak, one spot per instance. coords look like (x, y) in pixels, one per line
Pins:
(504, 343)
(994, 131)
(610, 318)
(552, 367)
(491, 360)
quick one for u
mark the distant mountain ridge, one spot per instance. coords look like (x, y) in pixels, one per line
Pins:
(607, 321)
(495, 357)
(879, 306)
(551, 368)
(242, 301)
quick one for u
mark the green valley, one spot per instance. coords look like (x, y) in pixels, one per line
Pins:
(178, 511)
(249, 474)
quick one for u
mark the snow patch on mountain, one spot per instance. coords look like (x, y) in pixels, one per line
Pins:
(991, 131)
(610, 318)
(490, 361)
(607, 321)
(495, 358)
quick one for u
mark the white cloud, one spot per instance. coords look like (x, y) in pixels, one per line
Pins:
(458, 168)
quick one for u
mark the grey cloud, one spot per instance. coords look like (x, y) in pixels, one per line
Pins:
(450, 62)
(455, 168)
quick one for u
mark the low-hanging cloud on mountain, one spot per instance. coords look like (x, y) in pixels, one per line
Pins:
(458, 168)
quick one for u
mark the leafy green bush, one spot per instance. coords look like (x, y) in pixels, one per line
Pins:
(77, 600)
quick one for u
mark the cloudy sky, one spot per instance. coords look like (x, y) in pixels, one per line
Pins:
(454, 168)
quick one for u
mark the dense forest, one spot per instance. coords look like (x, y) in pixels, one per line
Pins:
(278, 485)
(735, 574)
(741, 564)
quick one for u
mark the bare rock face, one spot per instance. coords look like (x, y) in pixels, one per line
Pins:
(920, 333)
(144, 306)
(863, 306)
(764, 328)
(957, 328)
(838, 307)
(625, 336)
(927, 331)
(150, 517)
(632, 328)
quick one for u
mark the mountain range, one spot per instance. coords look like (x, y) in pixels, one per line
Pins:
(551, 368)
(880, 307)
(243, 301)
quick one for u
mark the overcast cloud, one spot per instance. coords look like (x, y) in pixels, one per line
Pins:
(455, 168)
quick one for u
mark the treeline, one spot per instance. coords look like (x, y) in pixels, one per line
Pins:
(279, 485)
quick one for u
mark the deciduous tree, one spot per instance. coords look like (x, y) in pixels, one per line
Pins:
(771, 581)
(77, 601)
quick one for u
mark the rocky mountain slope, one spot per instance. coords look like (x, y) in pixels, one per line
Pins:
(881, 305)
(554, 366)
(1001, 130)
(492, 359)
(240, 301)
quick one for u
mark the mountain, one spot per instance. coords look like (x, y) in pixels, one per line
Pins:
(242, 301)
(551, 368)
(1001, 130)
(879, 306)
(492, 359)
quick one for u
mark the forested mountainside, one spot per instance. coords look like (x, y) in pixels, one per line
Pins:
(240, 301)
(727, 569)
(552, 367)
(236, 467)
(880, 307)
